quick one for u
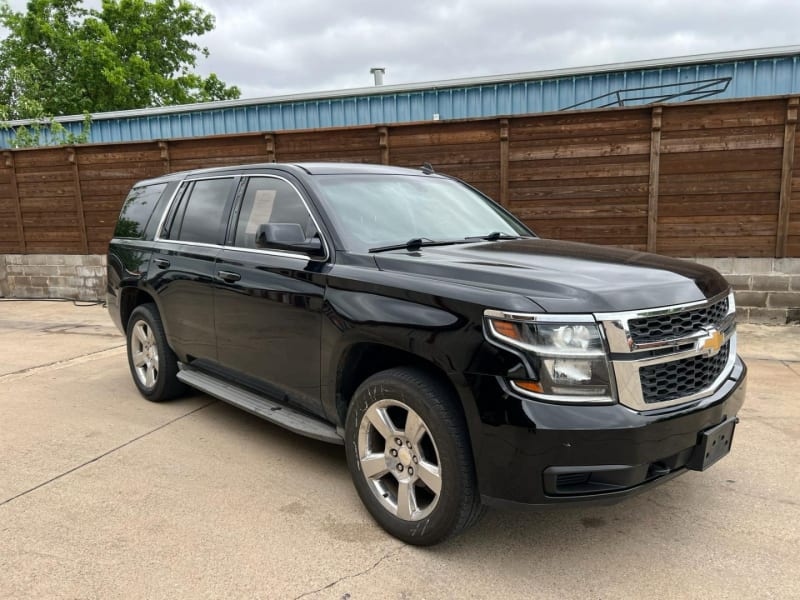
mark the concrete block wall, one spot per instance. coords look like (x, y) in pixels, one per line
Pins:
(3, 283)
(78, 277)
(767, 290)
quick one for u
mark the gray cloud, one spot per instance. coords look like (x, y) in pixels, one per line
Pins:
(279, 47)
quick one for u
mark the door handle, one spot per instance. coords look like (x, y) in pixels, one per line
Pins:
(161, 263)
(228, 276)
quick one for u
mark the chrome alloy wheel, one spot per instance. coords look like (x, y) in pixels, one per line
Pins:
(144, 351)
(399, 460)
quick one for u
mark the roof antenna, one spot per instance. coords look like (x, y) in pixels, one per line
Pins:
(427, 168)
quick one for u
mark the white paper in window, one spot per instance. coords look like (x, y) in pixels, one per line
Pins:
(263, 203)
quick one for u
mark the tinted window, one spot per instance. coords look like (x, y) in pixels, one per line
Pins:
(137, 210)
(201, 219)
(373, 211)
(269, 200)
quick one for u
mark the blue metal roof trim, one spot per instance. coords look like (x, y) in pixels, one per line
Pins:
(458, 99)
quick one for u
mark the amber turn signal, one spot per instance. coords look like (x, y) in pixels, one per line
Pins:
(531, 386)
(506, 329)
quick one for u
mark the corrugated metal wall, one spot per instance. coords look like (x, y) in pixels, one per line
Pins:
(749, 77)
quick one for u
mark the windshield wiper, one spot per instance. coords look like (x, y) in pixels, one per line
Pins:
(494, 236)
(416, 244)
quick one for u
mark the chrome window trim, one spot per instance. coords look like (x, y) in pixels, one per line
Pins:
(197, 244)
(308, 210)
(167, 208)
(282, 253)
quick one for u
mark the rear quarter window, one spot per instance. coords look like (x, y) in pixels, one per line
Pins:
(137, 210)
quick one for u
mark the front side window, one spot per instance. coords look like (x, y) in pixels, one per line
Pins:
(382, 210)
(137, 210)
(270, 200)
(200, 218)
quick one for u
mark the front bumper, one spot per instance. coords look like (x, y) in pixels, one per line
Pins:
(550, 454)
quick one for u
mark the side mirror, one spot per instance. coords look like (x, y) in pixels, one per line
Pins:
(287, 236)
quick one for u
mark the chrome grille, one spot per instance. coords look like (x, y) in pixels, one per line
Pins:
(681, 378)
(660, 356)
(672, 326)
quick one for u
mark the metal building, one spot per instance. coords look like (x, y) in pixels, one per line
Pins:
(764, 72)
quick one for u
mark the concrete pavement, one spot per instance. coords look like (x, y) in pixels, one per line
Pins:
(105, 495)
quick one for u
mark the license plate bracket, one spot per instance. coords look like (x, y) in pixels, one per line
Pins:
(712, 444)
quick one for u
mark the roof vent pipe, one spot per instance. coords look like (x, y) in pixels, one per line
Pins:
(378, 73)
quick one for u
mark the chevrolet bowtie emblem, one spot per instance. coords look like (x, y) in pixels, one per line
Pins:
(712, 343)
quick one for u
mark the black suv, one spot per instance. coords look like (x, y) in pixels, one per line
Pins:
(460, 359)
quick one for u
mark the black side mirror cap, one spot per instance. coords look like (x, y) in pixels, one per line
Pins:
(287, 236)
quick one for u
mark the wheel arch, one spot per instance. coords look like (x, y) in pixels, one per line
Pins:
(130, 298)
(363, 359)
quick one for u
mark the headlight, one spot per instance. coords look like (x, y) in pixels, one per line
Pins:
(565, 354)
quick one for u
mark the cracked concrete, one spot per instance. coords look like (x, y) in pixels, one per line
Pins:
(377, 563)
(104, 495)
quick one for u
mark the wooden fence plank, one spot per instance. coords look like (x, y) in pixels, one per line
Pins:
(140, 153)
(383, 144)
(723, 161)
(71, 158)
(8, 158)
(652, 190)
(442, 133)
(163, 146)
(787, 166)
(269, 141)
(504, 162)
(641, 146)
(628, 166)
(724, 115)
(687, 205)
(714, 141)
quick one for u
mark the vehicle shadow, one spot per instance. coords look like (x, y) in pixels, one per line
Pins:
(588, 530)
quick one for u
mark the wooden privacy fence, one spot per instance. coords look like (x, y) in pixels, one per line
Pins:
(695, 179)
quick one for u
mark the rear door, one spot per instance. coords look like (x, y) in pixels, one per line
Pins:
(182, 268)
(268, 303)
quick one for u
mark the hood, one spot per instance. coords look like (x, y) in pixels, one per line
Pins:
(564, 276)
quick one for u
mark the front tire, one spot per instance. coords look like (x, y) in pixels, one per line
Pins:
(153, 364)
(410, 458)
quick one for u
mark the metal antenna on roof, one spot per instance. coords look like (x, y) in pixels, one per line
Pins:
(427, 168)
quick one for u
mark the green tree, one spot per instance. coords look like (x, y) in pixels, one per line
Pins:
(60, 58)
(44, 131)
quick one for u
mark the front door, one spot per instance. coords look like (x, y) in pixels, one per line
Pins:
(268, 303)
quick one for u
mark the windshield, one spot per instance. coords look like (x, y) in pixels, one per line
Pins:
(382, 210)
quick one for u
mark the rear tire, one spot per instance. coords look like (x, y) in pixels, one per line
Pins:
(410, 458)
(153, 364)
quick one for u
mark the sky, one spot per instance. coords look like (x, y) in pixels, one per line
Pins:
(270, 48)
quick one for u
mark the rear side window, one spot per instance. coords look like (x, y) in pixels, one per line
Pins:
(201, 215)
(137, 210)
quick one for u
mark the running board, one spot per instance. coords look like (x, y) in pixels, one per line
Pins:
(281, 415)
